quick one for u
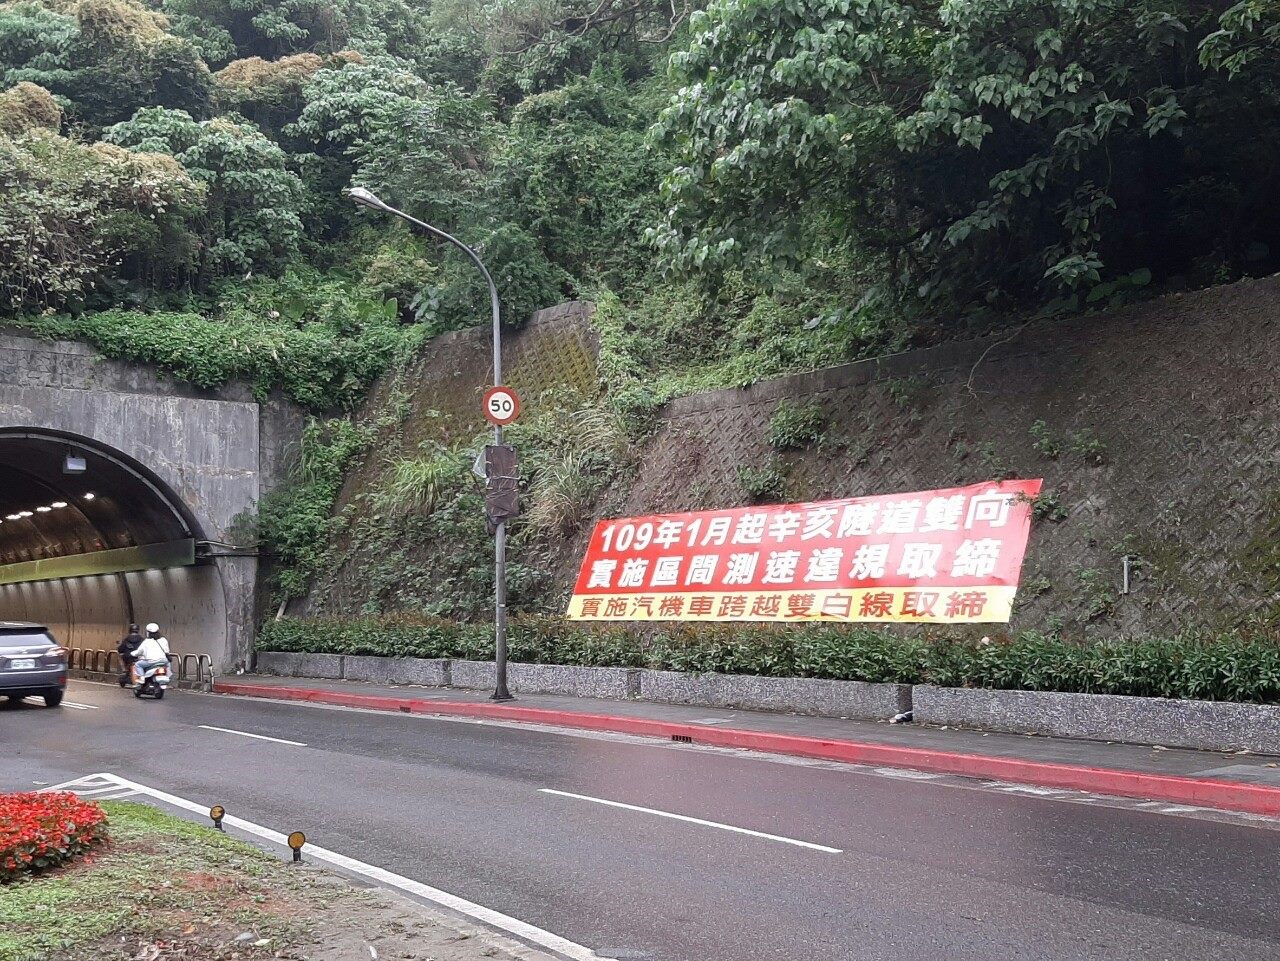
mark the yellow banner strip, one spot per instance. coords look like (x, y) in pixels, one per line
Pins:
(888, 605)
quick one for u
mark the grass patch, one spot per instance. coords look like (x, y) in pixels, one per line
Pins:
(161, 881)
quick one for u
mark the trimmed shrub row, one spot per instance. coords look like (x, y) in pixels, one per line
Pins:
(1236, 666)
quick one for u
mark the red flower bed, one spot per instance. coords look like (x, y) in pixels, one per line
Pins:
(42, 830)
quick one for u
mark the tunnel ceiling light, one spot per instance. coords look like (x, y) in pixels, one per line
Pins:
(43, 510)
(57, 504)
(13, 517)
(89, 496)
(24, 513)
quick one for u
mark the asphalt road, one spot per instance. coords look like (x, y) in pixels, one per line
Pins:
(926, 870)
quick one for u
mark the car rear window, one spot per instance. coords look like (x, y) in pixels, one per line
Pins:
(28, 638)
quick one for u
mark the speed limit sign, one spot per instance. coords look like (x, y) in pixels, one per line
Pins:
(501, 405)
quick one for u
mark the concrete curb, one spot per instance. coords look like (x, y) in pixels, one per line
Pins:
(819, 697)
(1204, 792)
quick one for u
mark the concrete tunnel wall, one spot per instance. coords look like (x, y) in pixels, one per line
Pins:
(216, 452)
(92, 612)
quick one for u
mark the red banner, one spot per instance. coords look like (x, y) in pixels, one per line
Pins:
(943, 556)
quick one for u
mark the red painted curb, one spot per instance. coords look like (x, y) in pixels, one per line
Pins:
(1204, 792)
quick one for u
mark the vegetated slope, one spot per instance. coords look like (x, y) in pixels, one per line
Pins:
(1154, 426)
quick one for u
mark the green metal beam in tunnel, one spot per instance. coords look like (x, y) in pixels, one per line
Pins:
(124, 560)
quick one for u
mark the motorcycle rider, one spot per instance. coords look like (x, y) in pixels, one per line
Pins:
(127, 650)
(152, 652)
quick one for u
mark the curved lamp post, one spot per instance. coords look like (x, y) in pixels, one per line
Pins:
(366, 198)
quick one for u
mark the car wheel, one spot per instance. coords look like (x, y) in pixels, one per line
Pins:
(53, 699)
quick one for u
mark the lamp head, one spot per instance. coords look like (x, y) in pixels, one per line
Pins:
(365, 198)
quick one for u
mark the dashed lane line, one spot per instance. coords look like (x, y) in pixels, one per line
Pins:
(691, 820)
(260, 737)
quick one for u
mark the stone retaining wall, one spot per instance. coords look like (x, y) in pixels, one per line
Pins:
(797, 695)
(1208, 725)
(793, 694)
(608, 682)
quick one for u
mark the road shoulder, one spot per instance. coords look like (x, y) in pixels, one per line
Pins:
(1243, 783)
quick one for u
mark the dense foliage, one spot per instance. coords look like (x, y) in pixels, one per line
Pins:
(997, 153)
(746, 190)
(844, 163)
(40, 831)
(1232, 667)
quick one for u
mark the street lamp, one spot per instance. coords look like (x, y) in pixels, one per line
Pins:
(366, 198)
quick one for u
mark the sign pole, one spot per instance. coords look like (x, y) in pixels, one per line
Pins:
(500, 692)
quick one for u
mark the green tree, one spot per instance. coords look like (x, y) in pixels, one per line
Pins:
(228, 29)
(107, 58)
(574, 170)
(994, 152)
(253, 216)
(74, 215)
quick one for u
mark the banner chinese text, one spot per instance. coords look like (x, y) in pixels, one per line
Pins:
(944, 556)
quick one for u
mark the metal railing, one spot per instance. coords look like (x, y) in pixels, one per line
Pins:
(194, 670)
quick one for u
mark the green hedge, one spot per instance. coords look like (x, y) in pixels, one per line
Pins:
(1223, 667)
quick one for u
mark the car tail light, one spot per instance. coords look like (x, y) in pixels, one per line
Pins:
(57, 655)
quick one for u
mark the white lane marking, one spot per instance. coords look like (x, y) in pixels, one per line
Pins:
(119, 795)
(907, 774)
(260, 737)
(689, 820)
(90, 791)
(514, 926)
(1029, 789)
(81, 783)
(80, 707)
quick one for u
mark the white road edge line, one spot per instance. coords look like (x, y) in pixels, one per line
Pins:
(88, 791)
(514, 926)
(260, 737)
(689, 820)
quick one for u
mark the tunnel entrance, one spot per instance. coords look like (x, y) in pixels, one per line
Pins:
(91, 540)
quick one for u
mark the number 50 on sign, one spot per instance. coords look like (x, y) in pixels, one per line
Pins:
(501, 405)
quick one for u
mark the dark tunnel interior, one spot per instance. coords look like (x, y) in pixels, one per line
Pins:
(46, 512)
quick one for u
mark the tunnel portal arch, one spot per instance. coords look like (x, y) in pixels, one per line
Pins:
(184, 467)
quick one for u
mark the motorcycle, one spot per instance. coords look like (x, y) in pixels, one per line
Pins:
(154, 681)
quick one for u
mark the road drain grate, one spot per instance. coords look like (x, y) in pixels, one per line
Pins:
(682, 738)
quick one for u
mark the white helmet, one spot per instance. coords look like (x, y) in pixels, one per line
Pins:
(153, 628)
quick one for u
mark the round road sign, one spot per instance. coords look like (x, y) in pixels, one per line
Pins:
(501, 405)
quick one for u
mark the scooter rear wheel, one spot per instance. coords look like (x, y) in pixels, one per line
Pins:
(137, 692)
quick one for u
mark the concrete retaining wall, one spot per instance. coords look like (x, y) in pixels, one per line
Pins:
(299, 665)
(430, 672)
(609, 682)
(799, 695)
(1208, 725)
